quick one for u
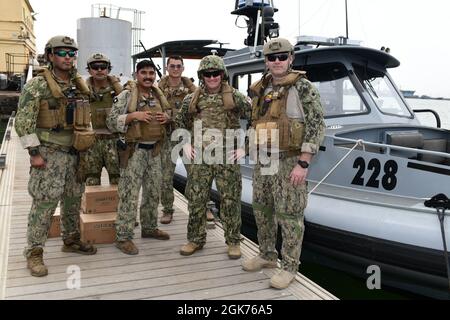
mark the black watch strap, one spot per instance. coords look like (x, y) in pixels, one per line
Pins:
(34, 151)
(303, 164)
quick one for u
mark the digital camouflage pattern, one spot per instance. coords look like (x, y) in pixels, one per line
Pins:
(229, 185)
(175, 96)
(143, 170)
(104, 151)
(276, 200)
(212, 62)
(227, 176)
(102, 154)
(57, 182)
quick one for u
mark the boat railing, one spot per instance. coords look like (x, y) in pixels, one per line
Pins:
(5, 142)
(388, 147)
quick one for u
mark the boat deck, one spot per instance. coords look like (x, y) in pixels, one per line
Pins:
(157, 272)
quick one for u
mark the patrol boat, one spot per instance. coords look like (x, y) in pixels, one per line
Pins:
(376, 167)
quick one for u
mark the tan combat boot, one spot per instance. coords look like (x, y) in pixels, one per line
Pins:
(157, 234)
(127, 247)
(282, 279)
(189, 248)
(35, 263)
(74, 244)
(166, 218)
(257, 263)
(234, 251)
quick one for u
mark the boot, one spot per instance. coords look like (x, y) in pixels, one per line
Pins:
(157, 234)
(257, 263)
(127, 247)
(74, 244)
(166, 218)
(282, 279)
(209, 216)
(35, 263)
(189, 248)
(234, 251)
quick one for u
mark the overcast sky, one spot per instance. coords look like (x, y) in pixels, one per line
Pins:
(415, 31)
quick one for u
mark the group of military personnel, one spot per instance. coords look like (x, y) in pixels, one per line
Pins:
(72, 129)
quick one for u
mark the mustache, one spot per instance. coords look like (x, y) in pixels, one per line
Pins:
(148, 79)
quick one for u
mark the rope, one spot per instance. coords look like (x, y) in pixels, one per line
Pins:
(359, 142)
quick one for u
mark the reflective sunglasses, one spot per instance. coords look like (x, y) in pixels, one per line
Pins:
(280, 57)
(99, 66)
(210, 74)
(175, 66)
(64, 53)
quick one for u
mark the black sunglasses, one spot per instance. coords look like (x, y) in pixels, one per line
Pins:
(280, 57)
(209, 74)
(175, 66)
(101, 66)
(64, 53)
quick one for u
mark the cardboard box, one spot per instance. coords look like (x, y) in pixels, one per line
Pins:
(98, 228)
(55, 227)
(100, 199)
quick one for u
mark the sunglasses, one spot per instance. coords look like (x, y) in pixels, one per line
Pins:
(280, 57)
(98, 66)
(64, 53)
(175, 66)
(212, 74)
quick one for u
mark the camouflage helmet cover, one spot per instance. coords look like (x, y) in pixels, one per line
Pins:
(277, 45)
(98, 57)
(60, 41)
(212, 62)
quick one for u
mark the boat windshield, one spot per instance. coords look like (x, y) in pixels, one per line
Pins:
(338, 94)
(382, 91)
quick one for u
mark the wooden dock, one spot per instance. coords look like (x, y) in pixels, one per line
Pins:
(157, 272)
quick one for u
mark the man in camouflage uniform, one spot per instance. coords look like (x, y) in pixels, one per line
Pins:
(175, 88)
(284, 96)
(103, 89)
(139, 114)
(52, 157)
(215, 106)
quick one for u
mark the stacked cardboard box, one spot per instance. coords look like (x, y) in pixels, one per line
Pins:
(55, 227)
(99, 212)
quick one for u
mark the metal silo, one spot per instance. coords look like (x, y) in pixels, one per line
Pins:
(106, 35)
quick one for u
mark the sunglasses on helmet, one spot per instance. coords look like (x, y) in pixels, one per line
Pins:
(64, 53)
(280, 57)
(210, 74)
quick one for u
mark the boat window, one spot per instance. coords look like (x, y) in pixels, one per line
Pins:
(338, 95)
(242, 82)
(382, 91)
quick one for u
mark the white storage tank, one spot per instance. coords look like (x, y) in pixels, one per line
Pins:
(105, 35)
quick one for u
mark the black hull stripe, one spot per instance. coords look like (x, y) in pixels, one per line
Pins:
(423, 167)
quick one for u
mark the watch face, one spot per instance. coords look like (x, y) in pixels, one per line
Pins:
(303, 164)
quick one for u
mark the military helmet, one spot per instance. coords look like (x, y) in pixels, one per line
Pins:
(60, 41)
(212, 62)
(277, 45)
(98, 57)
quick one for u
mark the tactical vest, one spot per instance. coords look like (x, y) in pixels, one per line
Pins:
(175, 96)
(64, 111)
(101, 102)
(139, 131)
(269, 113)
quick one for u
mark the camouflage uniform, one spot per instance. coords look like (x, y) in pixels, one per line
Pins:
(143, 170)
(57, 181)
(276, 200)
(175, 96)
(227, 176)
(104, 150)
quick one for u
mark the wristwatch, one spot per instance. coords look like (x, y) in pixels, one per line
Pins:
(33, 151)
(303, 164)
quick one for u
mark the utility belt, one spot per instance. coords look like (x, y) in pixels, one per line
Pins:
(284, 154)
